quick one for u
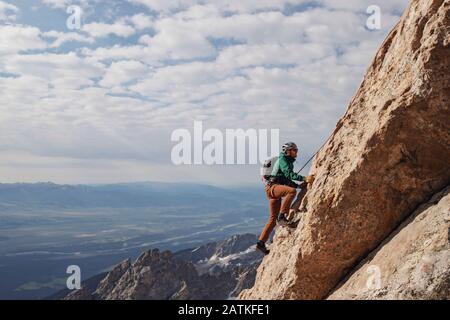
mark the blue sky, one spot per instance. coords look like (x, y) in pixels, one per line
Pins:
(99, 104)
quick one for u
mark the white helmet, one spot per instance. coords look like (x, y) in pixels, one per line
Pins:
(288, 146)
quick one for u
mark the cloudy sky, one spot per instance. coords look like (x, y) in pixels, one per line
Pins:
(98, 104)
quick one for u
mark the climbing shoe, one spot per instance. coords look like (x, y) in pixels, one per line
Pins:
(294, 223)
(303, 209)
(261, 246)
(281, 220)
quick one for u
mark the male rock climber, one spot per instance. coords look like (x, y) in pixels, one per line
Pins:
(281, 190)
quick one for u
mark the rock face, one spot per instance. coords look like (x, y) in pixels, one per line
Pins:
(413, 263)
(212, 271)
(388, 154)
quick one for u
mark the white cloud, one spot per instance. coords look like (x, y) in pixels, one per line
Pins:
(177, 43)
(122, 72)
(63, 4)
(140, 21)
(8, 11)
(52, 66)
(240, 56)
(17, 95)
(63, 37)
(99, 30)
(61, 71)
(14, 39)
(169, 44)
(57, 3)
(118, 52)
(173, 81)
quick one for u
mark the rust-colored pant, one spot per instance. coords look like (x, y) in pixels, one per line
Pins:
(280, 200)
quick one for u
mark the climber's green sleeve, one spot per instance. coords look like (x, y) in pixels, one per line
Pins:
(287, 169)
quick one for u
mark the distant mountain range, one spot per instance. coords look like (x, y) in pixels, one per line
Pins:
(138, 194)
(216, 270)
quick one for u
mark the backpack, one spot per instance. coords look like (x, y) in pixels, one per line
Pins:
(268, 168)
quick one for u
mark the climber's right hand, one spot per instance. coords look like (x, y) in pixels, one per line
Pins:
(310, 179)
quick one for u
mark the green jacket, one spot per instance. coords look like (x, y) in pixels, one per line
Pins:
(284, 168)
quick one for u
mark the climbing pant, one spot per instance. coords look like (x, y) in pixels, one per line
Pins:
(280, 200)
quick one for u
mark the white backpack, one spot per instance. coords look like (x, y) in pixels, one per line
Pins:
(270, 166)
